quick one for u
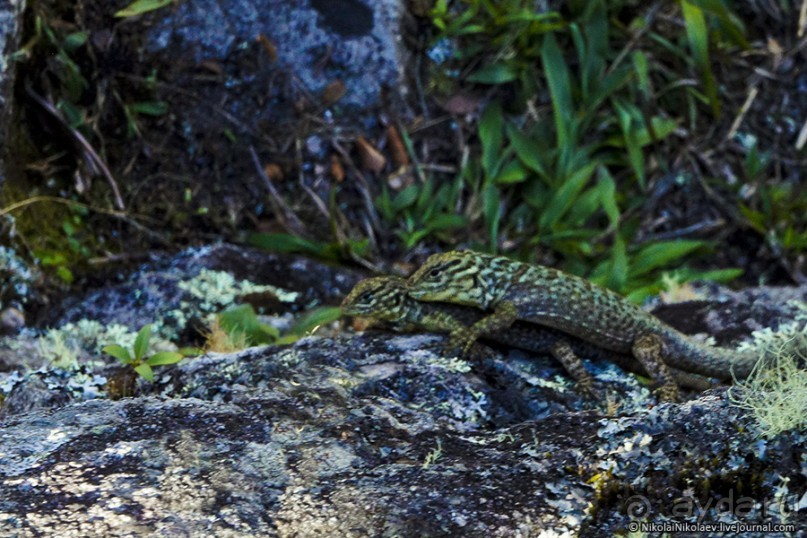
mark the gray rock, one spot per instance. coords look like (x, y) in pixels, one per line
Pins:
(373, 436)
(10, 30)
(155, 291)
(316, 42)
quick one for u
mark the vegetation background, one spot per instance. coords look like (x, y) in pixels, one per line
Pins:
(637, 144)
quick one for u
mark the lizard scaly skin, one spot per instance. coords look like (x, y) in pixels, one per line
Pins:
(514, 290)
(386, 299)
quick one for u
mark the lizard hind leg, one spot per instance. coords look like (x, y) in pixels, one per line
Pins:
(648, 351)
(504, 315)
(564, 354)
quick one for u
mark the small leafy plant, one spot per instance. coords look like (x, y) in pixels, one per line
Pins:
(138, 359)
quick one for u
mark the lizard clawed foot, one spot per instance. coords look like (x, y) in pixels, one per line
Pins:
(668, 393)
(460, 344)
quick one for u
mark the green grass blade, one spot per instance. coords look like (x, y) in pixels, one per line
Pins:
(698, 39)
(660, 254)
(491, 135)
(560, 89)
(565, 196)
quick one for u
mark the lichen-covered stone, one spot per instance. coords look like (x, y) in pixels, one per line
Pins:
(376, 436)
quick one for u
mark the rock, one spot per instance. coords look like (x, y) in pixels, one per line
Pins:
(731, 316)
(10, 32)
(315, 42)
(377, 436)
(169, 287)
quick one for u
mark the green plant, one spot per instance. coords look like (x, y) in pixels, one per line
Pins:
(775, 210)
(242, 325)
(138, 358)
(242, 328)
(333, 251)
(138, 7)
(566, 165)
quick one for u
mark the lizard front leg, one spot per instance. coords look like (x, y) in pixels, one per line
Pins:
(648, 350)
(504, 315)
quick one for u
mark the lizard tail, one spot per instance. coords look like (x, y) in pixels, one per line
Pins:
(722, 363)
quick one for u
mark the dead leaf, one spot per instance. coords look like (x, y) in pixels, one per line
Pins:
(268, 46)
(337, 170)
(273, 172)
(213, 66)
(371, 158)
(462, 104)
(333, 92)
(396, 147)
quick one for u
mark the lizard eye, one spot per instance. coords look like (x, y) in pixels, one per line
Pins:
(434, 273)
(366, 297)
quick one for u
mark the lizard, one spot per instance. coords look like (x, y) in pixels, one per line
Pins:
(386, 299)
(511, 290)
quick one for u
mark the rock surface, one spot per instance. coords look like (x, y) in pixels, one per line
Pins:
(366, 435)
(372, 436)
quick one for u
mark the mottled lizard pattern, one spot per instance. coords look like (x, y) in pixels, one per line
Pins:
(386, 299)
(514, 290)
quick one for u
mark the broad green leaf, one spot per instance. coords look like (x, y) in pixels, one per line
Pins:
(141, 344)
(312, 319)
(560, 89)
(447, 221)
(586, 204)
(642, 73)
(512, 172)
(630, 130)
(281, 242)
(618, 274)
(138, 7)
(145, 371)
(65, 274)
(164, 357)
(638, 295)
(527, 150)
(728, 22)
(242, 318)
(608, 197)
(150, 108)
(74, 41)
(715, 275)
(491, 126)
(662, 128)
(491, 211)
(498, 73)
(405, 198)
(119, 352)
(660, 254)
(698, 39)
(565, 196)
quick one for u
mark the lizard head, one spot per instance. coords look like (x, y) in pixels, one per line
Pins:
(455, 277)
(380, 298)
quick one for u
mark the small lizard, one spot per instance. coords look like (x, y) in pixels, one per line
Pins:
(514, 290)
(386, 299)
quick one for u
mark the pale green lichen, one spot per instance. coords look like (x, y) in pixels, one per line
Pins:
(218, 288)
(211, 291)
(85, 339)
(15, 277)
(775, 393)
(791, 336)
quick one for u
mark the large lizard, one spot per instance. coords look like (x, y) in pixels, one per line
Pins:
(512, 290)
(386, 299)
